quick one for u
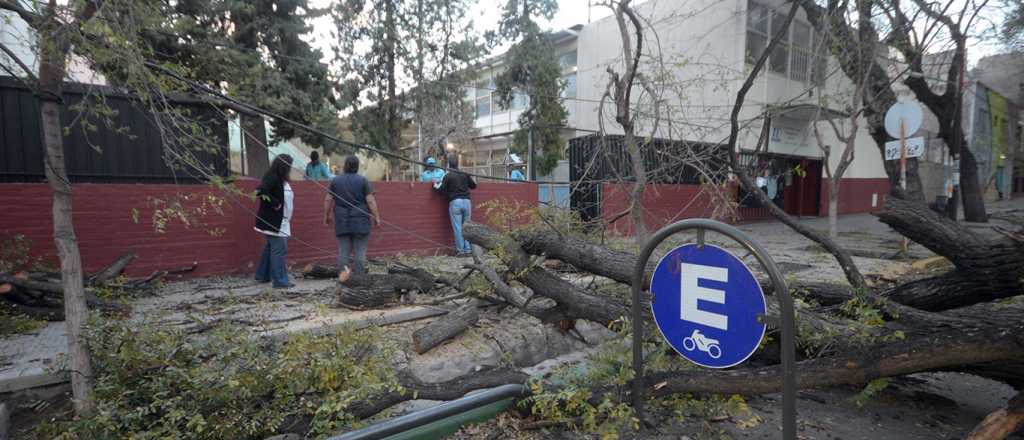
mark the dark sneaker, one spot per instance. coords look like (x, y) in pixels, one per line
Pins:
(286, 286)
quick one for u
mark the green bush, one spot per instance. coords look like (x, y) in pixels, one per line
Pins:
(160, 383)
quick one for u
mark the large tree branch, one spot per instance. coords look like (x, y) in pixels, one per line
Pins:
(19, 62)
(30, 17)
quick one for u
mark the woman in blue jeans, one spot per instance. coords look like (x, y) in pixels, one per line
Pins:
(351, 203)
(273, 220)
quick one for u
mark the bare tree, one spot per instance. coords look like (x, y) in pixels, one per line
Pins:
(847, 155)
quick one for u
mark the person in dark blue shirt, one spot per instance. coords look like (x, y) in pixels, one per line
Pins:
(352, 204)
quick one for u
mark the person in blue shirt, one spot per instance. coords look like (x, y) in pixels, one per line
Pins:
(432, 173)
(316, 170)
(517, 172)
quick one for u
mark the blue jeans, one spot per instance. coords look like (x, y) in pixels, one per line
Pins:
(272, 265)
(353, 244)
(459, 210)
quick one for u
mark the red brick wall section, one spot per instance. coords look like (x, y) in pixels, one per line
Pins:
(663, 204)
(855, 195)
(417, 223)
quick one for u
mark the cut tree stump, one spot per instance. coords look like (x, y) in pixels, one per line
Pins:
(370, 291)
(445, 328)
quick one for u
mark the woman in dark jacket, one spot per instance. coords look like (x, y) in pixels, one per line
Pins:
(351, 202)
(273, 220)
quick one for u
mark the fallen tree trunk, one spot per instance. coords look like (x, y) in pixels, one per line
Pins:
(36, 295)
(547, 315)
(320, 271)
(1001, 423)
(574, 301)
(947, 349)
(368, 291)
(445, 328)
(110, 272)
(986, 269)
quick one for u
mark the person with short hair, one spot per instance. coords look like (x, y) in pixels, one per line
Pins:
(316, 170)
(517, 172)
(431, 173)
(351, 203)
(456, 186)
(273, 220)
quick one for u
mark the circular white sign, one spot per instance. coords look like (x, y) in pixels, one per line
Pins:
(909, 112)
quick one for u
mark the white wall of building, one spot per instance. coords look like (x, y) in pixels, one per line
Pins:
(16, 34)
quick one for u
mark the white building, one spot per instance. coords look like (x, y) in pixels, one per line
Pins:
(706, 48)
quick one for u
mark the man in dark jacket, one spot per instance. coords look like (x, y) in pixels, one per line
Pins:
(456, 186)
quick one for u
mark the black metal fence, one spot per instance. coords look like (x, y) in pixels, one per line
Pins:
(596, 159)
(128, 150)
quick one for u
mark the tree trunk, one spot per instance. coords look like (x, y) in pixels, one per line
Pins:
(833, 209)
(110, 272)
(636, 195)
(52, 69)
(1001, 423)
(971, 191)
(257, 148)
(445, 328)
(367, 291)
(575, 302)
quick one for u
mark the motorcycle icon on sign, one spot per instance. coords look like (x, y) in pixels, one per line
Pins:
(698, 341)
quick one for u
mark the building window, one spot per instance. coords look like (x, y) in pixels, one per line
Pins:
(569, 86)
(800, 61)
(757, 31)
(520, 100)
(778, 62)
(794, 56)
(483, 99)
(567, 60)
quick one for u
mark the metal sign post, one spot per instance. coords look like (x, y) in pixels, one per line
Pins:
(905, 245)
(737, 320)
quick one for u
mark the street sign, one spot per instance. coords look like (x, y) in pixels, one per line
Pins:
(706, 303)
(915, 148)
(909, 112)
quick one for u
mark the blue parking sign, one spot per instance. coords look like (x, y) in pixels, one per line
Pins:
(706, 303)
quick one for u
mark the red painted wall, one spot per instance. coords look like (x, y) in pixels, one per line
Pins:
(417, 223)
(855, 195)
(663, 204)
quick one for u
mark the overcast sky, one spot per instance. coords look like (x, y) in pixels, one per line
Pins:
(485, 15)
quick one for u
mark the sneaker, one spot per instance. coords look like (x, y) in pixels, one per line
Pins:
(286, 286)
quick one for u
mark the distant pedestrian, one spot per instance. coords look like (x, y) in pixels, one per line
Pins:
(517, 172)
(456, 186)
(432, 173)
(316, 170)
(273, 220)
(351, 202)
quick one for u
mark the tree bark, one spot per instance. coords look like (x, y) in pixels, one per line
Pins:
(445, 328)
(574, 301)
(257, 148)
(833, 209)
(1001, 423)
(366, 291)
(52, 69)
(112, 271)
(971, 191)
(943, 349)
